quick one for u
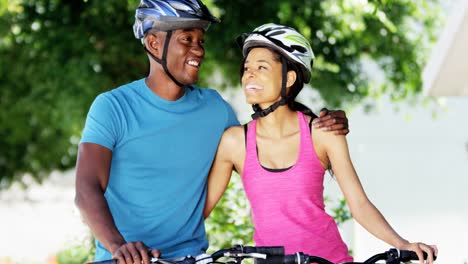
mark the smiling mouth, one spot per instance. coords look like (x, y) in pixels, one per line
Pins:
(253, 87)
(194, 63)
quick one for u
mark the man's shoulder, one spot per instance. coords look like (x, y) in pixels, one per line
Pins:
(120, 92)
(126, 88)
(111, 97)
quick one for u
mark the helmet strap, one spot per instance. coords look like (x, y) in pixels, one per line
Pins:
(163, 60)
(258, 111)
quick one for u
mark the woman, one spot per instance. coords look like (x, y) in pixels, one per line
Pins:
(282, 159)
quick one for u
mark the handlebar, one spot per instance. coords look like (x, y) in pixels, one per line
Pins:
(110, 261)
(247, 251)
(275, 255)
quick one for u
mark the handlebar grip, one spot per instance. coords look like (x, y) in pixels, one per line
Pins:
(407, 255)
(290, 259)
(276, 260)
(269, 251)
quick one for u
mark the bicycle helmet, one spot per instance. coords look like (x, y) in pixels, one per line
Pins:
(291, 45)
(166, 15)
(286, 40)
(169, 15)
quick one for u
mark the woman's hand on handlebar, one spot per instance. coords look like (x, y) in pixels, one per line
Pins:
(134, 252)
(419, 248)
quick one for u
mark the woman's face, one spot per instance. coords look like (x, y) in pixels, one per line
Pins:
(261, 78)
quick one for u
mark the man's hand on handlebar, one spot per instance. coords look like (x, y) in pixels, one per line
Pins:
(134, 252)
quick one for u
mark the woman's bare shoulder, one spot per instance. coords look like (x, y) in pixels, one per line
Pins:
(324, 138)
(233, 136)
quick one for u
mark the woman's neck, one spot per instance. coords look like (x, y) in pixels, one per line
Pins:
(278, 123)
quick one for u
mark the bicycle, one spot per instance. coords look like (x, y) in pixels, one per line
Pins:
(275, 255)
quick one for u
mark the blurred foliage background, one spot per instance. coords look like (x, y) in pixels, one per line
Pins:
(56, 56)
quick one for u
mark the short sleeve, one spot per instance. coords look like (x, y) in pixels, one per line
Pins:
(102, 122)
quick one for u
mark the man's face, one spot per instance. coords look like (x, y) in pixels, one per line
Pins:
(185, 54)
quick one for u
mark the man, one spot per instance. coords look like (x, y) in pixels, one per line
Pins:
(147, 146)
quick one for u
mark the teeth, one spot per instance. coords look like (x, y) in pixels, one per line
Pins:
(193, 63)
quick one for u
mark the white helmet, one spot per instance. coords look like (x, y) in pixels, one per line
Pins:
(286, 40)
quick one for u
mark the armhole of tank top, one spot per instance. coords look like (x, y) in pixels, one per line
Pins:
(310, 123)
(245, 135)
(329, 168)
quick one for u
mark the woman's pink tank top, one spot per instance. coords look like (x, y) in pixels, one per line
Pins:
(287, 207)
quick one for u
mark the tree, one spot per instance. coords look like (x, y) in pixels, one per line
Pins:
(56, 56)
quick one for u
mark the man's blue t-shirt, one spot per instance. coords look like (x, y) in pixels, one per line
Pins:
(162, 152)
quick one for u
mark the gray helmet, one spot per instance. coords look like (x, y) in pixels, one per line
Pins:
(166, 15)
